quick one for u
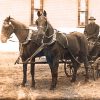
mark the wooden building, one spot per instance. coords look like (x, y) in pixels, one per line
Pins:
(60, 13)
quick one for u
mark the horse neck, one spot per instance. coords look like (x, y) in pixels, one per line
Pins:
(50, 30)
(20, 30)
(48, 34)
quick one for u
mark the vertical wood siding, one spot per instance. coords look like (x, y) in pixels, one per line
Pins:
(94, 9)
(62, 13)
(18, 9)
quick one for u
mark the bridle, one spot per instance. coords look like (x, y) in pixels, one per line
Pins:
(7, 35)
(44, 32)
(9, 25)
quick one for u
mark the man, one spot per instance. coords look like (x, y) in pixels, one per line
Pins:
(92, 30)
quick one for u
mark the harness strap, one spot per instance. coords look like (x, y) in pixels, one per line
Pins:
(71, 52)
(69, 48)
(20, 54)
(28, 37)
(36, 52)
(66, 38)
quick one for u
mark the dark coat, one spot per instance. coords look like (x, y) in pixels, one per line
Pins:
(76, 42)
(91, 31)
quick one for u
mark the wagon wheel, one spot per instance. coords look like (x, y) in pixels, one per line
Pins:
(66, 66)
(93, 72)
(98, 73)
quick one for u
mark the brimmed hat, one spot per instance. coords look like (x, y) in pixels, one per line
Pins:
(92, 18)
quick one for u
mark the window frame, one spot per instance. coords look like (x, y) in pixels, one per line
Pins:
(81, 11)
(35, 9)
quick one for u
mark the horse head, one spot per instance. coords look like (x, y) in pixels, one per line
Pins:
(41, 22)
(7, 30)
(10, 25)
(44, 27)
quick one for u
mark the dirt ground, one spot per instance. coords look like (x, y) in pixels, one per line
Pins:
(11, 78)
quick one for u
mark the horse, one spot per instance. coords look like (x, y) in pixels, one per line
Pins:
(62, 46)
(21, 31)
(94, 53)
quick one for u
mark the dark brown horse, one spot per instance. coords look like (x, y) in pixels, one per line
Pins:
(62, 47)
(10, 26)
(95, 50)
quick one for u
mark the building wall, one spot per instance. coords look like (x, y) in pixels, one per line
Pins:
(18, 9)
(62, 13)
(94, 9)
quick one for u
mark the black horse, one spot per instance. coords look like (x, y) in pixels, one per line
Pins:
(10, 26)
(61, 46)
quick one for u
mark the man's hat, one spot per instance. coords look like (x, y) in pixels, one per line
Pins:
(92, 18)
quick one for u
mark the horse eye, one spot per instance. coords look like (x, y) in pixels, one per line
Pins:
(9, 23)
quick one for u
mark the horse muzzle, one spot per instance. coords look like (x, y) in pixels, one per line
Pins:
(3, 39)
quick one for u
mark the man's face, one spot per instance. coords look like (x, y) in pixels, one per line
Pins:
(92, 21)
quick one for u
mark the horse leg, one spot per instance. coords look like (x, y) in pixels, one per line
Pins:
(75, 68)
(74, 74)
(32, 74)
(24, 74)
(86, 64)
(54, 71)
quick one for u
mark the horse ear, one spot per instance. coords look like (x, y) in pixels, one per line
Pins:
(44, 13)
(38, 13)
(9, 18)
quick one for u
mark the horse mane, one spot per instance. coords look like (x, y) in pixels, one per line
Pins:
(18, 24)
(20, 29)
(49, 24)
(50, 29)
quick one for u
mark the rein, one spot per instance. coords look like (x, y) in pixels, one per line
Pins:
(38, 50)
(46, 31)
(42, 47)
(48, 36)
(26, 38)
(13, 41)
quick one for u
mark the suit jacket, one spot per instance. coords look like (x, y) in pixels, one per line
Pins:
(91, 30)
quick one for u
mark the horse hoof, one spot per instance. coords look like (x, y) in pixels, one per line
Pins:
(33, 86)
(86, 80)
(52, 87)
(73, 80)
(68, 75)
(23, 85)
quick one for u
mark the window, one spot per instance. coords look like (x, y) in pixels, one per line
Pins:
(35, 6)
(82, 13)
